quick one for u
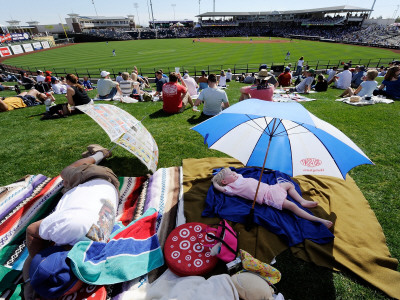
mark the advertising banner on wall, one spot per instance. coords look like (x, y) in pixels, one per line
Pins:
(45, 44)
(37, 46)
(27, 47)
(5, 51)
(17, 49)
(5, 38)
(20, 36)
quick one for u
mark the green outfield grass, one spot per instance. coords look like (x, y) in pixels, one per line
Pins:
(150, 54)
(31, 146)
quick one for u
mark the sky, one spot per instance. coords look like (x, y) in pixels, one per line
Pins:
(51, 13)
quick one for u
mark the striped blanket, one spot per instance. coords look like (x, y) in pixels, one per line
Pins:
(33, 198)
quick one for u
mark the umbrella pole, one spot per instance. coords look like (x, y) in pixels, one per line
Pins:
(250, 217)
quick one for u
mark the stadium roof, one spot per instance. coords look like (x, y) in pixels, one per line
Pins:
(101, 18)
(332, 9)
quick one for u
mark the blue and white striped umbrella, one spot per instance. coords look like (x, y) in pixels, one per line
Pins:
(292, 139)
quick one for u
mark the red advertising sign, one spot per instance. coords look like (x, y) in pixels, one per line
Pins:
(5, 51)
(4, 38)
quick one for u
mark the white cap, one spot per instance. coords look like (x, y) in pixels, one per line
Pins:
(104, 73)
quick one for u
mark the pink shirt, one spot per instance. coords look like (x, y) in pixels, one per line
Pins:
(246, 188)
(263, 94)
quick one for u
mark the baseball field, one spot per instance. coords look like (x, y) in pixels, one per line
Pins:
(215, 52)
(31, 146)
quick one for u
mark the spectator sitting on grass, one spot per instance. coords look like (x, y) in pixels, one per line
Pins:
(366, 87)
(203, 81)
(175, 96)
(260, 90)
(128, 86)
(250, 78)
(76, 94)
(304, 86)
(144, 81)
(106, 87)
(57, 87)
(27, 82)
(222, 79)
(357, 76)
(214, 99)
(285, 78)
(39, 76)
(228, 75)
(390, 87)
(343, 79)
(160, 81)
(321, 85)
(87, 83)
(331, 74)
(190, 84)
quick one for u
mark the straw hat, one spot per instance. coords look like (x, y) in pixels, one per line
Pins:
(263, 74)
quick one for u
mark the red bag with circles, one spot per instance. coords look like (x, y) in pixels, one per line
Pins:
(184, 253)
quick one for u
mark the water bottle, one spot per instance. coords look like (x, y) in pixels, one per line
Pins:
(47, 102)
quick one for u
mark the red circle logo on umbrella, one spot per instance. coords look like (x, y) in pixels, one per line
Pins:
(311, 162)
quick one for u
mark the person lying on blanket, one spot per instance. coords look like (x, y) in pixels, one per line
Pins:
(24, 99)
(86, 211)
(234, 184)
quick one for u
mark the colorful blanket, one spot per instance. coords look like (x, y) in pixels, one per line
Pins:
(163, 190)
(359, 245)
(132, 251)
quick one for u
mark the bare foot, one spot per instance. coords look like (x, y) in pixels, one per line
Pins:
(327, 223)
(309, 204)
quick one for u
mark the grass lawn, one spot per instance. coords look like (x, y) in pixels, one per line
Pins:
(167, 54)
(31, 146)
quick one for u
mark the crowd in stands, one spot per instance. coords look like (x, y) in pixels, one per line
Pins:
(326, 20)
(376, 34)
(115, 34)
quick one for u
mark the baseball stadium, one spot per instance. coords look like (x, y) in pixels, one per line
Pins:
(306, 101)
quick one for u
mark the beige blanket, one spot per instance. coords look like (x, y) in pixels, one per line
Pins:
(359, 245)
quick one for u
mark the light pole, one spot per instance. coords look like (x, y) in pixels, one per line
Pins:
(95, 8)
(137, 12)
(173, 8)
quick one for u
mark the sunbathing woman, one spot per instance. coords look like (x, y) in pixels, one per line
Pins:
(234, 184)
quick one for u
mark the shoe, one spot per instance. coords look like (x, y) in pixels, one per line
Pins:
(17, 89)
(93, 148)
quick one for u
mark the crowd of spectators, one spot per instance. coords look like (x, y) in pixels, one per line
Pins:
(375, 34)
(115, 34)
(326, 20)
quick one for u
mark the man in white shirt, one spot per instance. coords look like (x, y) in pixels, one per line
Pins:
(106, 87)
(86, 211)
(191, 84)
(343, 79)
(40, 77)
(214, 99)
